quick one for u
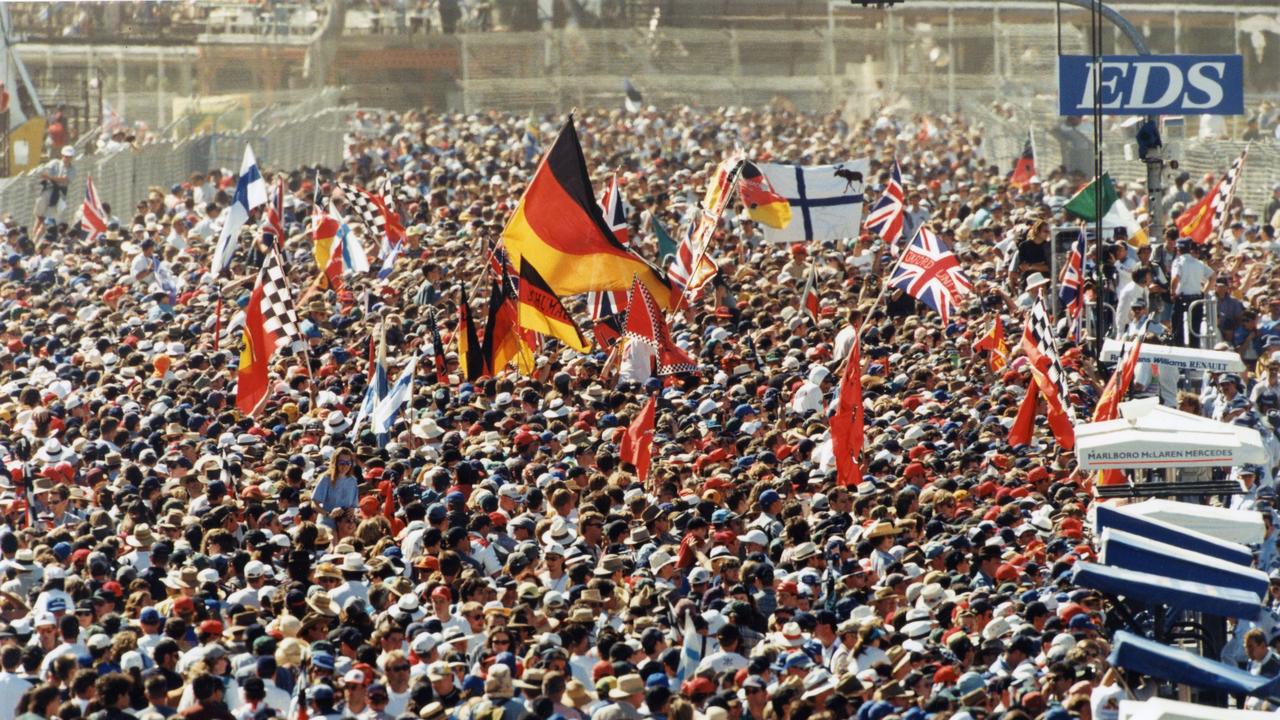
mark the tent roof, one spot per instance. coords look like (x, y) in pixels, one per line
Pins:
(1148, 657)
(1163, 709)
(1149, 435)
(1237, 526)
(1156, 589)
(1134, 552)
(1123, 517)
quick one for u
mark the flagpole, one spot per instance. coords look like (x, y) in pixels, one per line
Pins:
(702, 249)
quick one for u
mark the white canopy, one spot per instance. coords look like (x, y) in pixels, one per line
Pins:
(1181, 358)
(1238, 526)
(1149, 435)
(1162, 709)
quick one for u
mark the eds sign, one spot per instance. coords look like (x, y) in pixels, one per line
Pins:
(1153, 85)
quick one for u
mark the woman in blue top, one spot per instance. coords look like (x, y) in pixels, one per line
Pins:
(339, 487)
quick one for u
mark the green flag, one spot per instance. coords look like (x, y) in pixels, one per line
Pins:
(666, 246)
(1085, 203)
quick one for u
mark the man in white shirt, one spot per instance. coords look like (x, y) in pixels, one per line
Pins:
(1133, 295)
(1189, 277)
(808, 397)
(12, 686)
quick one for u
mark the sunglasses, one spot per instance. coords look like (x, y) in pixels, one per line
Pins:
(344, 463)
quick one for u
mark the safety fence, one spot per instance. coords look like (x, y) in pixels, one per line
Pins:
(123, 178)
(1004, 133)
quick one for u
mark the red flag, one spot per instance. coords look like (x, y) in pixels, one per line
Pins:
(93, 218)
(637, 442)
(1024, 169)
(270, 324)
(994, 343)
(1050, 379)
(275, 213)
(809, 297)
(646, 324)
(847, 422)
(1025, 423)
(1108, 407)
(1196, 222)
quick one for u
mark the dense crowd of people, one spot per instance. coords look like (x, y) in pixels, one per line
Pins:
(492, 557)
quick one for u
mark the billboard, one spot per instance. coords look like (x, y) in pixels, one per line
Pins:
(1153, 85)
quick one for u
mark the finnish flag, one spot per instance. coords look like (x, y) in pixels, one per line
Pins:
(399, 395)
(826, 200)
(251, 192)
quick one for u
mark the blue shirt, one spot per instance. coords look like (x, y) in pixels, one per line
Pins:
(331, 495)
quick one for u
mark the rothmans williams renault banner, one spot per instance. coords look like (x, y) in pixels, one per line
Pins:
(1153, 85)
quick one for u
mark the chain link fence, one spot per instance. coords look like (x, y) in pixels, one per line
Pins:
(311, 136)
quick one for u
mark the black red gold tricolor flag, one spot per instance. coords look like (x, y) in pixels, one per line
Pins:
(542, 311)
(470, 356)
(559, 228)
(502, 341)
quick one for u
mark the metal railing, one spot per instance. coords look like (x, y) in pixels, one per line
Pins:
(122, 178)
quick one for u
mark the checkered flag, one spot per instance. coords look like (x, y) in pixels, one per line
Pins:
(1042, 352)
(375, 212)
(279, 318)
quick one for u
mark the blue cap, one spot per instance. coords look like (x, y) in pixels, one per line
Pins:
(150, 616)
(436, 512)
(720, 516)
(657, 680)
(505, 658)
(797, 660)
(1081, 622)
(57, 604)
(769, 497)
(321, 692)
(744, 410)
(455, 498)
(62, 550)
(322, 660)
(473, 685)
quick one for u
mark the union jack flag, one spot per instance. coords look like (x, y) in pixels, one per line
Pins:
(930, 273)
(615, 212)
(93, 218)
(1071, 285)
(684, 277)
(275, 213)
(885, 219)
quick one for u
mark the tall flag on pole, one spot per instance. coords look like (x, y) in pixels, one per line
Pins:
(826, 200)
(93, 217)
(995, 344)
(646, 324)
(378, 217)
(324, 230)
(559, 228)
(636, 446)
(1024, 168)
(848, 421)
(251, 193)
(502, 340)
(275, 213)
(270, 324)
(1209, 215)
(540, 310)
(1108, 407)
(470, 354)
(1050, 383)
(615, 211)
(809, 297)
(930, 273)
(762, 202)
(632, 99)
(397, 397)
(1084, 204)
(1071, 285)
(378, 387)
(437, 349)
(684, 276)
(666, 245)
(887, 215)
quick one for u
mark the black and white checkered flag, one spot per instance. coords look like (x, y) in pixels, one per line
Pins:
(1038, 343)
(362, 204)
(279, 317)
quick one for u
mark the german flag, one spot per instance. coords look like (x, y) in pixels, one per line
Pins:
(502, 341)
(542, 311)
(763, 203)
(470, 355)
(560, 229)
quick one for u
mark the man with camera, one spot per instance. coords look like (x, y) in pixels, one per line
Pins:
(55, 178)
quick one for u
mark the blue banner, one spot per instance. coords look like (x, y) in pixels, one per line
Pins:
(1153, 85)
